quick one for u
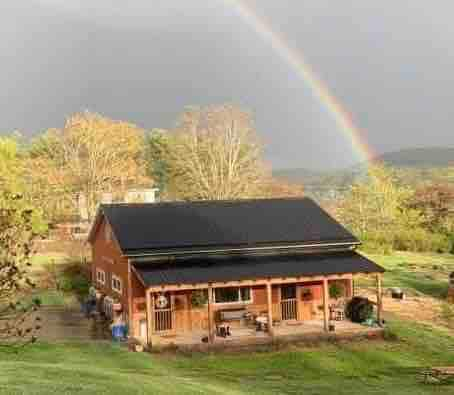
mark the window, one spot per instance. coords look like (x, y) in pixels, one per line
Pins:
(100, 276)
(232, 295)
(116, 284)
(288, 292)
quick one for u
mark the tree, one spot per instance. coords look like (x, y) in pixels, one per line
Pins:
(436, 202)
(214, 154)
(158, 155)
(91, 155)
(13, 179)
(377, 208)
(19, 225)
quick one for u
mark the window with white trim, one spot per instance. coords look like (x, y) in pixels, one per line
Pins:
(100, 276)
(233, 295)
(117, 284)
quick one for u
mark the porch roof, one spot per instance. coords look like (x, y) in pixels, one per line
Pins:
(194, 271)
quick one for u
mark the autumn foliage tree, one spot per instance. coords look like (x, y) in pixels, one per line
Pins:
(89, 156)
(19, 225)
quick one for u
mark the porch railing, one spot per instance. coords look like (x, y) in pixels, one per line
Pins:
(289, 309)
(163, 320)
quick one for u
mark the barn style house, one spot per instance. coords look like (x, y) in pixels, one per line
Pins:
(223, 271)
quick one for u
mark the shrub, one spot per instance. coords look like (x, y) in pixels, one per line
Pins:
(420, 240)
(69, 277)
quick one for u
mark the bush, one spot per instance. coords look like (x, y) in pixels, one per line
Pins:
(420, 240)
(401, 239)
(359, 309)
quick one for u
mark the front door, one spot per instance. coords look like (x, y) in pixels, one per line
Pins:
(289, 305)
(163, 312)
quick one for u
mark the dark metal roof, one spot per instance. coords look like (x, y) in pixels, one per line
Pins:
(242, 268)
(154, 227)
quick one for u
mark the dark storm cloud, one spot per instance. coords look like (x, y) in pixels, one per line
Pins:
(389, 63)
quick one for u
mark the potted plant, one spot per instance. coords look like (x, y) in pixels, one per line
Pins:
(199, 298)
(336, 291)
(331, 326)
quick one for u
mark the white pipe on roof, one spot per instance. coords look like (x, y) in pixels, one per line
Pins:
(251, 249)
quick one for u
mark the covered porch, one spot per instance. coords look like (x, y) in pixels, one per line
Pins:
(251, 310)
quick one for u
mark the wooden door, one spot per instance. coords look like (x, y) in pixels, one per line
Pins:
(289, 303)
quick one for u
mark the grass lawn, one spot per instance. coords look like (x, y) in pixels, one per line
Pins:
(44, 267)
(416, 273)
(366, 367)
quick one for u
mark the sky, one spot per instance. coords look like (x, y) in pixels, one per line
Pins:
(389, 64)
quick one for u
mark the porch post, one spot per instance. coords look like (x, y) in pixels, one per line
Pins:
(149, 316)
(352, 288)
(270, 308)
(379, 299)
(325, 304)
(210, 314)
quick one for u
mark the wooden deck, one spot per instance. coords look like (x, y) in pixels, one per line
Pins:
(285, 332)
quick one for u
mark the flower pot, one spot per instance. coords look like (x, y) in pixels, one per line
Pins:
(117, 307)
(331, 327)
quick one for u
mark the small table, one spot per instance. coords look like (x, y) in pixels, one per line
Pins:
(262, 323)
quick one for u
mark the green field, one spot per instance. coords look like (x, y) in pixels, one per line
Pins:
(366, 367)
(416, 273)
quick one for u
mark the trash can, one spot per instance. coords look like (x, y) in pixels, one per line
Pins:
(119, 332)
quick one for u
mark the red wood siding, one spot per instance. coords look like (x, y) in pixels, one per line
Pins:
(107, 257)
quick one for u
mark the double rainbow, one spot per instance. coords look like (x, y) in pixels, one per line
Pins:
(296, 61)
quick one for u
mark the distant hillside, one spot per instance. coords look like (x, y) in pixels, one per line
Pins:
(297, 175)
(419, 157)
(417, 166)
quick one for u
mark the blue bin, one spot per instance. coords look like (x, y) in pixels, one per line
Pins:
(119, 332)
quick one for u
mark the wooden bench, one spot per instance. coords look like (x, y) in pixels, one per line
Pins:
(439, 374)
(231, 315)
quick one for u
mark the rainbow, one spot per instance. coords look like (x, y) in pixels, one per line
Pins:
(296, 61)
